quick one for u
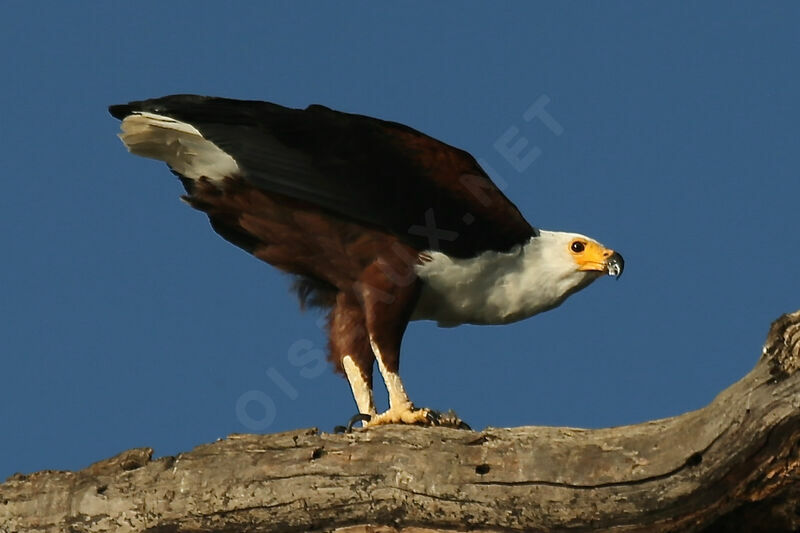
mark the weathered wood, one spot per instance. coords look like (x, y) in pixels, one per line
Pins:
(731, 466)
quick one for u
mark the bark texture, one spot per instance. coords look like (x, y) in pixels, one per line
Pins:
(733, 466)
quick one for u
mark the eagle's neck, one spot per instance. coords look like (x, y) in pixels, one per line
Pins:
(498, 287)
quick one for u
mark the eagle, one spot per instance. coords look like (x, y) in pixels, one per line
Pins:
(379, 223)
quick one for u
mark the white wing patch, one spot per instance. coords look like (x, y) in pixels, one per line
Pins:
(178, 144)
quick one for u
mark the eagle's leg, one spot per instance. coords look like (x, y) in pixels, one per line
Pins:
(401, 410)
(362, 389)
(388, 293)
(349, 346)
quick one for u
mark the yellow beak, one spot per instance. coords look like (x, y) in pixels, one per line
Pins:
(595, 257)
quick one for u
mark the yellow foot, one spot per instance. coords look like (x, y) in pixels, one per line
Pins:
(405, 414)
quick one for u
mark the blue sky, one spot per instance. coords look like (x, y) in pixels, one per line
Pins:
(126, 321)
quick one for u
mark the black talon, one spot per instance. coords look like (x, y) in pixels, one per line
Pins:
(358, 417)
(433, 417)
(450, 419)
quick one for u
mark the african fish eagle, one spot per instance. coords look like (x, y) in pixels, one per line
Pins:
(380, 223)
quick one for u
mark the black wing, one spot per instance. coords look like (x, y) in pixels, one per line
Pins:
(431, 195)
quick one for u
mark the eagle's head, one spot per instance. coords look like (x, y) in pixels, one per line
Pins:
(583, 254)
(561, 263)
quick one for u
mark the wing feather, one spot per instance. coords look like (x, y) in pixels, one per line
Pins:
(431, 195)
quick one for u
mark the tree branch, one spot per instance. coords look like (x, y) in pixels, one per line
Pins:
(731, 466)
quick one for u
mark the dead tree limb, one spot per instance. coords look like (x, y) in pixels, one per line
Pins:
(731, 466)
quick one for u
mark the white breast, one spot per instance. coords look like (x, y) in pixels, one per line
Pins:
(499, 287)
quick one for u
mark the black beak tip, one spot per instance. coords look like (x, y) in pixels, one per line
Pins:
(616, 264)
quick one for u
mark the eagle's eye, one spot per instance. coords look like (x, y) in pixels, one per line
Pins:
(577, 247)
